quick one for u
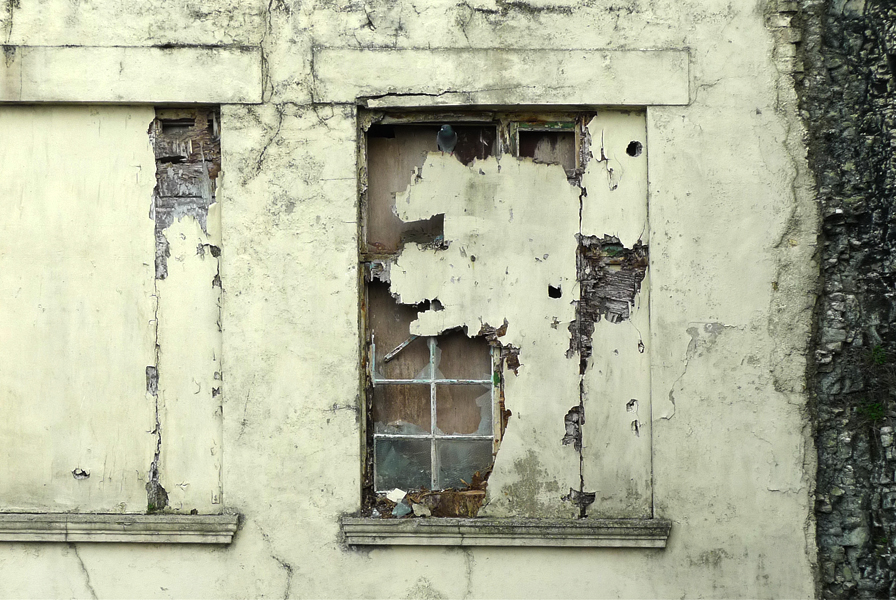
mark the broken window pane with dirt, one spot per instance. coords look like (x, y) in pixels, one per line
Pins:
(459, 460)
(403, 463)
(402, 409)
(464, 409)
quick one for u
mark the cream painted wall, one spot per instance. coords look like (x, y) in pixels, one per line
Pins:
(731, 229)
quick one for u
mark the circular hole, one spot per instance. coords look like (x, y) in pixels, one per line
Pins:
(634, 148)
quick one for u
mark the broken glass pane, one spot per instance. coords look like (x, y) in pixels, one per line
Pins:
(402, 409)
(463, 357)
(403, 464)
(459, 459)
(464, 409)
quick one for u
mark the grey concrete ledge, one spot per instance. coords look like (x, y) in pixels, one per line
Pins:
(395, 78)
(135, 74)
(140, 529)
(606, 533)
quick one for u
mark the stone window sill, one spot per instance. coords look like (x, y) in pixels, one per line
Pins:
(140, 529)
(602, 533)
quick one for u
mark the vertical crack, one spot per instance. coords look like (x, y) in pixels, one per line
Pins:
(286, 566)
(11, 6)
(583, 359)
(87, 582)
(156, 496)
(187, 148)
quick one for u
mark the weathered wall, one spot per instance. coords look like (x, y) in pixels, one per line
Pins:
(731, 231)
(76, 329)
(847, 97)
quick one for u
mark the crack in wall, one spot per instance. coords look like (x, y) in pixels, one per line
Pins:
(156, 496)
(84, 570)
(284, 564)
(609, 277)
(10, 9)
(259, 162)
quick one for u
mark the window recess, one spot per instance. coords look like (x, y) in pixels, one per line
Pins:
(435, 411)
(492, 282)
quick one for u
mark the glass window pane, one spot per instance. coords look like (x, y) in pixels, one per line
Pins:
(402, 409)
(459, 459)
(403, 464)
(464, 409)
(463, 357)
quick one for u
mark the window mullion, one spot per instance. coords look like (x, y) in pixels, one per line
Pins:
(434, 455)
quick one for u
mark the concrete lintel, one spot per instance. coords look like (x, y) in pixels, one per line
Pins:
(141, 529)
(606, 533)
(384, 78)
(101, 74)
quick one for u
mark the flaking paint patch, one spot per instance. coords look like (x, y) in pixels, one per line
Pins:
(504, 224)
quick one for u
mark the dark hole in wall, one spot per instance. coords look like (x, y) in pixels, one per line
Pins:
(554, 292)
(431, 231)
(473, 142)
(634, 148)
(381, 131)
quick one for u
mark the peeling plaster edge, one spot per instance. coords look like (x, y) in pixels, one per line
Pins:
(599, 533)
(141, 529)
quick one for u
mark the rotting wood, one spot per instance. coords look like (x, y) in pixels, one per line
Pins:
(610, 277)
(187, 147)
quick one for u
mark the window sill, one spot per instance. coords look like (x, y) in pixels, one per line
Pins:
(602, 533)
(127, 528)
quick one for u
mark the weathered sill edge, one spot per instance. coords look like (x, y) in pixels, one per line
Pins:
(601, 533)
(121, 528)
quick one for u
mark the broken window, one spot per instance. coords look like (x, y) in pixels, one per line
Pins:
(432, 400)
(505, 262)
(435, 411)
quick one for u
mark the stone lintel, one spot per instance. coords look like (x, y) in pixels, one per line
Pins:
(131, 74)
(383, 78)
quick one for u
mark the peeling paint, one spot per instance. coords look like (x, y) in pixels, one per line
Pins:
(186, 144)
(499, 241)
